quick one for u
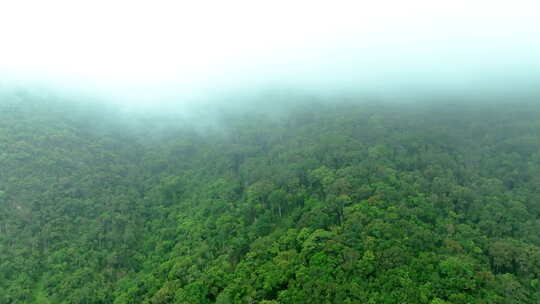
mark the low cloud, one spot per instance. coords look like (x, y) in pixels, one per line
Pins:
(165, 53)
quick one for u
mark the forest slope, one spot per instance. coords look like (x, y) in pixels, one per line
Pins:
(323, 203)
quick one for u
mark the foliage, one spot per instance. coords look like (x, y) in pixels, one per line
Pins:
(325, 203)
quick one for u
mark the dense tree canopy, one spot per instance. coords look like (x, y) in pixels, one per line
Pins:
(320, 203)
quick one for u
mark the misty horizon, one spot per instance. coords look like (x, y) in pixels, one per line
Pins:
(162, 53)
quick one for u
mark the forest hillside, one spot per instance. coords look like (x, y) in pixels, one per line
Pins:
(320, 202)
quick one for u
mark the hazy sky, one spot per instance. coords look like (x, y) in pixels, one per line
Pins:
(151, 50)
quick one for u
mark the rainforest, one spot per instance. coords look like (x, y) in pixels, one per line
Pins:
(312, 201)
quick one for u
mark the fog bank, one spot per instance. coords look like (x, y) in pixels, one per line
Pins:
(155, 54)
